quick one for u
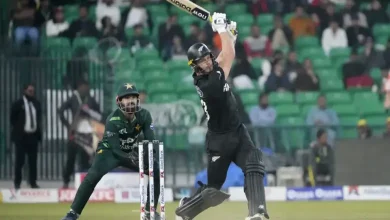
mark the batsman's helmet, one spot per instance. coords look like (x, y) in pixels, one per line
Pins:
(197, 52)
(126, 90)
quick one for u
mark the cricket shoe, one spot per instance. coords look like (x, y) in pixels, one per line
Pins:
(156, 216)
(260, 215)
(71, 216)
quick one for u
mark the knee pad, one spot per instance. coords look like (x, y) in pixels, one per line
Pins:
(254, 162)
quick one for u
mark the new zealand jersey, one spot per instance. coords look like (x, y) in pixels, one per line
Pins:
(218, 101)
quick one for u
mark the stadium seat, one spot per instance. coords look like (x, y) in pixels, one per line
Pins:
(265, 20)
(370, 108)
(157, 9)
(306, 108)
(337, 54)
(149, 65)
(243, 18)
(86, 42)
(245, 31)
(130, 31)
(377, 123)
(162, 97)
(277, 98)
(287, 17)
(190, 96)
(154, 75)
(331, 85)
(348, 125)
(236, 8)
(146, 54)
(160, 86)
(338, 98)
(364, 97)
(187, 20)
(293, 136)
(57, 42)
(71, 11)
(306, 97)
(321, 63)
(376, 75)
(249, 97)
(185, 88)
(257, 63)
(344, 109)
(307, 42)
(128, 74)
(177, 65)
(381, 30)
(327, 73)
(311, 53)
(287, 110)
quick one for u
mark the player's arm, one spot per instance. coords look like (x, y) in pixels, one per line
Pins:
(111, 139)
(148, 127)
(66, 105)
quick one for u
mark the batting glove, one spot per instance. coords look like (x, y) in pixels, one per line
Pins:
(219, 22)
(232, 30)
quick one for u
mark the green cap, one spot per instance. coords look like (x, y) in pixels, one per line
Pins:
(127, 89)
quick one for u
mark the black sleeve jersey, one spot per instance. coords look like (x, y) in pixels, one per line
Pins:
(218, 101)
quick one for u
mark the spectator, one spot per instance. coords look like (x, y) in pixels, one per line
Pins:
(167, 31)
(143, 96)
(192, 38)
(278, 80)
(56, 26)
(243, 67)
(139, 40)
(109, 30)
(263, 115)
(322, 160)
(333, 37)
(43, 13)
(356, 33)
(23, 20)
(83, 26)
(255, 44)
(280, 36)
(321, 116)
(353, 67)
(137, 15)
(364, 131)
(106, 8)
(301, 24)
(292, 64)
(386, 89)
(386, 134)
(26, 133)
(80, 130)
(376, 14)
(351, 9)
(177, 49)
(306, 80)
(371, 57)
(329, 15)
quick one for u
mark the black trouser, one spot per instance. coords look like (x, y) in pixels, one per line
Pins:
(74, 150)
(222, 149)
(26, 145)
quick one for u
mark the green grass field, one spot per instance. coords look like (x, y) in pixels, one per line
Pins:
(226, 211)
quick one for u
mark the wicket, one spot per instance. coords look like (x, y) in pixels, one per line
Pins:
(151, 178)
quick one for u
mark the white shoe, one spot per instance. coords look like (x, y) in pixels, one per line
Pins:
(256, 217)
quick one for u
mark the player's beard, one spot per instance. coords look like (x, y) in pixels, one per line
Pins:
(130, 107)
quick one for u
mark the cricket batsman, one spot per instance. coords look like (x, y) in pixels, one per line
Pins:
(227, 139)
(119, 147)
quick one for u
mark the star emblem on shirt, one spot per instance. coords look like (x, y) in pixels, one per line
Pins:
(138, 127)
(128, 86)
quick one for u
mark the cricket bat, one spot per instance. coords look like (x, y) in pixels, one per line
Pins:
(192, 8)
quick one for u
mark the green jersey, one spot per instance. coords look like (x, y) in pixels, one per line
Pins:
(121, 134)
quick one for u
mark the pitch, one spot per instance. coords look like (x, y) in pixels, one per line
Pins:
(227, 211)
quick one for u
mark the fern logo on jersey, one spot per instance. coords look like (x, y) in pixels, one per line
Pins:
(226, 87)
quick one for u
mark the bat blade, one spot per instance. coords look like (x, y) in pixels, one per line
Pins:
(192, 8)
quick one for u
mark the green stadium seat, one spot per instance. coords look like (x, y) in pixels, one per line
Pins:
(187, 20)
(287, 110)
(348, 125)
(257, 63)
(311, 53)
(321, 63)
(337, 54)
(249, 97)
(265, 20)
(265, 29)
(370, 108)
(155, 75)
(376, 74)
(344, 109)
(307, 42)
(306, 108)
(338, 98)
(177, 65)
(377, 123)
(86, 42)
(364, 97)
(236, 8)
(243, 18)
(71, 10)
(331, 85)
(161, 86)
(244, 32)
(277, 98)
(306, 97)
(149, 65)
(381, 30)
(210, 6)
(293, 136)
(146, 54)
(185, 88)
(287, 17)
(130, 31)
(157, 9)
(57, 42)
(162, 97)
(190, 96)
(327, 74)
(128, 74)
